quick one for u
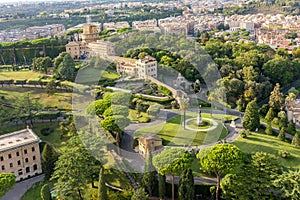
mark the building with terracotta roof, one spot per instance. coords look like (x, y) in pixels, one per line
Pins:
(149, 143)
(20, 154)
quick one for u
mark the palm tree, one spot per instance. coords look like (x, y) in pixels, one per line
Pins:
(211, 99)
(184, 104)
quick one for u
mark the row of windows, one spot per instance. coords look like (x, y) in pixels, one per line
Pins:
(27, 170)
(18, 163)
(17, 154)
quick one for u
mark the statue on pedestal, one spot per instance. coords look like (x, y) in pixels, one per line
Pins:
(199, 118)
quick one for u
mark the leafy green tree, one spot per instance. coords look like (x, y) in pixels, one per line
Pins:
(296, 141)
(253, 179)
(49, 157)
(289, 184)
(26, 109)
(102, 193)
(280, 70)
(161, 186)
(276, 99)
(115, 123)
(73, 170)
(220, 159)
(66, 69)
(59, 59)
(186, 185)
(171, 162)
(116, 110)
(120, 98)
(139, 194)
(42, 64)
(270, 114)
(45, 192)
(269, 129)
(291, 128)
(51, 87)
(7, 181)
(251, 117)
(149, 177)
(281, 135)
(282, 119)
(98, 107)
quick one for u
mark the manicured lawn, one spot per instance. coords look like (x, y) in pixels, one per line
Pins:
(174, 134)
(33, 192)
(20, 75)
(270, 144)
(92, 76)
(61, 100)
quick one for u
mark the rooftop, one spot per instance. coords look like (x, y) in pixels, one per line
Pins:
(17, 139)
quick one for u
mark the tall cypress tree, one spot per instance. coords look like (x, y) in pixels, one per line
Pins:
(281, 135)
(186, 185)
(149, 178)
(161, 186)
(49, 157)
(102, 194)
(296, 140)
(251, 118)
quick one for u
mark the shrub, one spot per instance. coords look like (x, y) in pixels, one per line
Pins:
(47, 131)
(283, 154)
(244, 133)
(275, 121)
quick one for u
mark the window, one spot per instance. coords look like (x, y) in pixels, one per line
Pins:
(19, 162)
(1, 158)
(10, 165)
(18, 154)
(26, 160)
(33, 158)
(33, 149)
(3, 167)
(25, 151)
(27, 169)
(9, 155)
(35, 167)
(20, 172)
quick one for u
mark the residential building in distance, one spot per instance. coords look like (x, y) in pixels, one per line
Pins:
(293, 111)
(148, 144)
(20, 154)
(115, 25)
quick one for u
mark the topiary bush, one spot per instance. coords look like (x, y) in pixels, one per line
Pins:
(46, 131)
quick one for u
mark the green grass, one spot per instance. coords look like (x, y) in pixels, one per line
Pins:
(173, 133)
(60, 100)
(270, 144)
(33, 192)
(91, 75)
(20, 75)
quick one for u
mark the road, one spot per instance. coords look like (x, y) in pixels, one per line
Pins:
(20, 188)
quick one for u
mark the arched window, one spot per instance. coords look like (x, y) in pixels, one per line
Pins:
(27, 169)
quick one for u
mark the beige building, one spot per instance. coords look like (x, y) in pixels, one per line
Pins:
(146, 66)
(101, 48)
(76, 49)
(90, 33)
(293, 112)
(20, 154)
(149, 143)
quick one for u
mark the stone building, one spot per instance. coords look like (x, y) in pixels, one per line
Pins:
(20, 154)
(90, 33)
(149, 143)
(293, 111)
(146, 66)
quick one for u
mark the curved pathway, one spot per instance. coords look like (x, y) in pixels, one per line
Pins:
(20, 188)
